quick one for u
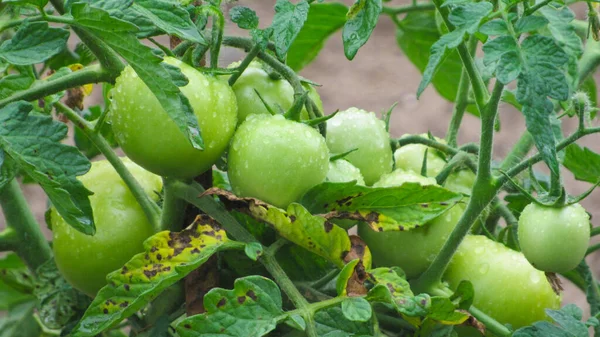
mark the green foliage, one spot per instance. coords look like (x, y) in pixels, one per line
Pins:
(34, 42)
(568, 321)
(362, 18)
(287, 22)
(583, 163)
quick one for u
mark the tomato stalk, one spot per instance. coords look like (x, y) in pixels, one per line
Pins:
(173, 208)
(91, 74)
(8, 240)
(244, 64)
(31, 245)
(456, 161)
(217, 32)
(462, 97)
(590, 60)
(148, 206)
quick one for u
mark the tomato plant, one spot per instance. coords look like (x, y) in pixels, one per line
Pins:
(121, 227)
(276, 160)
(359, 130)
(147, 135)
(509, 288)
(234, 216)
(554, 239)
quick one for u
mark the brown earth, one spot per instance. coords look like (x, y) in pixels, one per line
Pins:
(379, 76)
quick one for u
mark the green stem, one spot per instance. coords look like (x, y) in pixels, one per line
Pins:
(173, 210)
(534, 8)
(217, 32)
(148, 206)
(91, 74)
(8, 240)
(288, 287)
(590, 60)
(518, 152)
(483, 193)
(19, 22)
(415, 139)
(592, 249)
(491, 324)
(32, 246)
(456, 161)
(462, 96)
(595, 231)
(424, 6)
(245, 63)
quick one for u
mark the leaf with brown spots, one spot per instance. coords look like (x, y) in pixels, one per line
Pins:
(351, 280)
(391, 288)
(251, 309)
(146, 275)
(384, 209)
(297, 225)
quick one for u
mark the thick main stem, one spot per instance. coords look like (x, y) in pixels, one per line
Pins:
(148, 206)
(484, 192)
(32, 245)
(173, 210)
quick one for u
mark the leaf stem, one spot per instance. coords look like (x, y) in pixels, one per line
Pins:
(148, 206)
(31, 245)
(244, 64)
(8, 240)
(91, 74)
(173, 209)
(461, 101)
(589, 61)
(537, 6)
(217, 32)
(490, 324)
(518, 152)
(415, 7)
(595, 231)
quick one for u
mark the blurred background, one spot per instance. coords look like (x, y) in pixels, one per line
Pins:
(379, 76)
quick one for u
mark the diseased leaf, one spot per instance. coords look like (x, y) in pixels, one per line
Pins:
(361, 20)
(299, 226)
(244, 17)
(34, 42)
(287, 23)
(444, 311)
(148, 67)
(323, 20)
(583, 163)
(251, 309)
(351, 279)
(466, 19)
(169, 257)
(33, 142)
(393, 208)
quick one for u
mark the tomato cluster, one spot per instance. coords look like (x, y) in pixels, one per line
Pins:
(277, 160)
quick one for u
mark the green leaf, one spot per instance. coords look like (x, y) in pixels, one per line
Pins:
(36, 3)
(244, 17)
(12, 83)
(300, 264)
(253, 250)
(568, 320)
(170, 17)
(357, 309)
(362, 18)
(115, 33)
(415, 35)
(465, 293)
(287, 23)
(466, 19)
(15, 274)
(323, 20)
(331, 322)
(494, 27)
(59, 303)
(8, 169)
(251, 309)
(169, 257)
(20, 322)
(530, 23)
(562, 29)
(34, 42)
(393, 208)
(583, 163)
(34, 143)
(444, 311)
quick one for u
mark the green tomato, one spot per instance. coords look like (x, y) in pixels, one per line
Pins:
(460, 181)
(121, 227)
(410, 158)
(341, 171)
(150, 138)
(275, 92)
(507, 287)
(554, 239)
(412, 250)
(361, 130)
(276, 160)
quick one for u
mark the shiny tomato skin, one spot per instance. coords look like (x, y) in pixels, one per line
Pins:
(151, 139)
(358, 129)
(276, 160)
(121, 227)
(507, 287)
(554, 239)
